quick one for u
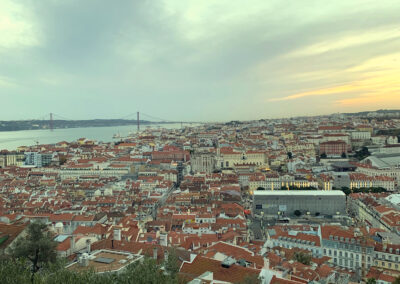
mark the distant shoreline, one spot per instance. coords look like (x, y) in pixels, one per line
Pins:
(13, 126)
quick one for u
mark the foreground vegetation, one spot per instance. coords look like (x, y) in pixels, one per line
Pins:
(33, 259)
(18, 271)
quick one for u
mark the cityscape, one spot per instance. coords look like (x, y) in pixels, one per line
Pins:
(199, 142)
(311, 199)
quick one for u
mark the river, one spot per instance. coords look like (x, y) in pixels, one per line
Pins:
(11, 140)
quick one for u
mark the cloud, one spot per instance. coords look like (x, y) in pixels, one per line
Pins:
(350, 40)
(378, 85)
(16, 27)
(194, 60)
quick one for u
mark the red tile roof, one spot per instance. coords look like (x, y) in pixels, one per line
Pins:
(200, 265)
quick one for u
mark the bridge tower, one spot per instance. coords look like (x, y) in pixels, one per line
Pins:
(51, 127)
(138, 122)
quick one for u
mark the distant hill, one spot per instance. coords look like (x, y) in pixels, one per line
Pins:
(381, 111)
(45, 124)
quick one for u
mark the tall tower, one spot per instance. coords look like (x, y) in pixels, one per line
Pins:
(51, 122)
(138, 122)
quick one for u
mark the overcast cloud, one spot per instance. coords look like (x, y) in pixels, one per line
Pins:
(197, 60)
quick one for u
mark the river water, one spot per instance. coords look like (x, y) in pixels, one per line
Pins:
(11, 140)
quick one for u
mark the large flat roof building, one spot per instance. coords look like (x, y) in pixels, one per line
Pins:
(286, 202)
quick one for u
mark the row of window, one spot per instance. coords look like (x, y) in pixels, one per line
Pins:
(387, 257)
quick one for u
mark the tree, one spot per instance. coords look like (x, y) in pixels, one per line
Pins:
(371, 281)
(362, 154)
(289, 155)
(297, 213)
(14, 271)
(346, 190)
(302, 258)
(62, 159)
(323, 156)
(344, 155)
(38, 247)
(172, 265)
(147, 271)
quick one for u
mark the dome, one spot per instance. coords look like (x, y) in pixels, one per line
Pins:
(59, 225)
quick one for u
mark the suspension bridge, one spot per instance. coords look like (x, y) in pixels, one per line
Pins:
(137, 118)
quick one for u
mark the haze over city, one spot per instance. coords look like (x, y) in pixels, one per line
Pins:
(198, 60)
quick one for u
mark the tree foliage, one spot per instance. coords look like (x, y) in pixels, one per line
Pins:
(348, 191)
(38, 247)
(171, 265)
(362, 154)
(297, 213)
(17, 271)
(302, 257)
(293, 187)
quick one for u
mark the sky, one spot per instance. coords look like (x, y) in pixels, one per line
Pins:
(197, 60)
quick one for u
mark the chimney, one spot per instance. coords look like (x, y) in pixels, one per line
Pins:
(117, 234)
(155, 253)
(88, 246)
(192, 257)
(72, 245)
(266, 263)
(384, 244)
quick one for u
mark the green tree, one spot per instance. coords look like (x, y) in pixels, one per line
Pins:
(362, 154)
(344, 155)
(14, 271)
(323, 156)
(38, 247)
(297, 213)
(289, 155)
(346, 190)
(172, 264)
(302, 258)
(147, 271)
(371, 281)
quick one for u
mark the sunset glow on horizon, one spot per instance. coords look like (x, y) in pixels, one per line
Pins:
(250, 58)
